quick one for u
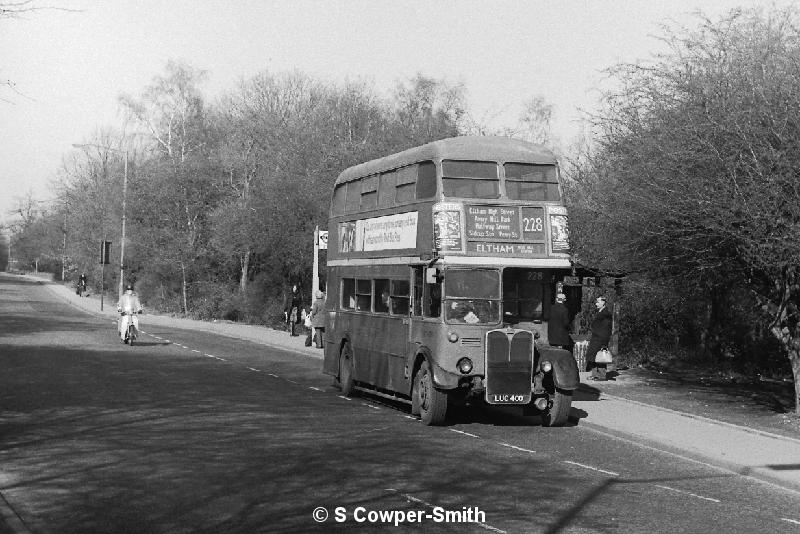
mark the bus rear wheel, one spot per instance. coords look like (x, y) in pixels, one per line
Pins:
(431, 402)
(346, 371)
(558, 413)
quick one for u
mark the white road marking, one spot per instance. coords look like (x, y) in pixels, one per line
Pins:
(315, 389)
(465, 433)
(209, 355)
(343, 397)
(687, 493)
(792, 521)
(256, 370)
(612, 473)
(195, 350)
(410, 417)
(276, 376)
(292, 381)
(517, 448)
(411, 498)
(370, 405)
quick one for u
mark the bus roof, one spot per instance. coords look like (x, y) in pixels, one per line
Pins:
(468, 147)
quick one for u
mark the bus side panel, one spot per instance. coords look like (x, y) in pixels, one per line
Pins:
(385, 341)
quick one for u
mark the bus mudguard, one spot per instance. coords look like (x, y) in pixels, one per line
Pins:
(565, 368)
(443, 379)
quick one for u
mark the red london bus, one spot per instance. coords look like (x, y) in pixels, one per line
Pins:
(443, 261)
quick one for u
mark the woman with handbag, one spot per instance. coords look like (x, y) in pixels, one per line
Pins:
(597, 354)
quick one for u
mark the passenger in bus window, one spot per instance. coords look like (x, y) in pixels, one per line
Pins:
(486, 310)
(462, 310)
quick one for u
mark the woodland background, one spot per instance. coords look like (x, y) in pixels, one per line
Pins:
(686, 185)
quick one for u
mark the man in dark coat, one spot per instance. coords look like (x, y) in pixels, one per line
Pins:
(601, 335)
(291, 309)
(558, 325)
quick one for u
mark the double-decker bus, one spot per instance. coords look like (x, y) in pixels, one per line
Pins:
(443, 261)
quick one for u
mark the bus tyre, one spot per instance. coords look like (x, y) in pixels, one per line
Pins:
(346, 371)
(432, 403)
(558, 413)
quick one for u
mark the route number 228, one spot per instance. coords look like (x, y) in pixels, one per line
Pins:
(532, 224)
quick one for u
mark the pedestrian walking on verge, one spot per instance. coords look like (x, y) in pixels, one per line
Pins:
(601, 335)
(558, 324)
(318, 318)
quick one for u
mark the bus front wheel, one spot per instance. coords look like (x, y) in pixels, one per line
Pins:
(558, 413)
(431, 402)
(346, 371)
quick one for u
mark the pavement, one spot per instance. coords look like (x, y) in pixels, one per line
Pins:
(749, 452)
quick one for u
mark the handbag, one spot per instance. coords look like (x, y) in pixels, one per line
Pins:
(603, 356)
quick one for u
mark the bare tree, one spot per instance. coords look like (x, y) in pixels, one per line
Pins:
(695, 173)
(172, 112)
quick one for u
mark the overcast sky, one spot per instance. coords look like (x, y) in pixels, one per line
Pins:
(70, 67)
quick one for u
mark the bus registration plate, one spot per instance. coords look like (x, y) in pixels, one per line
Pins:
(509, 367)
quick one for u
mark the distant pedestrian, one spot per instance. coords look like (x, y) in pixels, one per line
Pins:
(558, 324)
(292, 304)
(318, 318)
(308, 326)
(82, 284)
(601, 336)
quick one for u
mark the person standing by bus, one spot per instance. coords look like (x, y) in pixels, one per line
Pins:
(318, 318)
(558, 325)
(601, 335)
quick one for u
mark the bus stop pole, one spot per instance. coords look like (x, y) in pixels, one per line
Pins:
(315, 274)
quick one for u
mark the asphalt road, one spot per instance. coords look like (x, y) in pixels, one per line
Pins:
(191, 432)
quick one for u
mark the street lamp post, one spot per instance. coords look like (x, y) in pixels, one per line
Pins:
(122, 241)
(64, 249)
(124, 206)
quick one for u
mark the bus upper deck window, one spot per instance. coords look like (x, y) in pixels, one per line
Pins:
(369, 192)
(339, 195)
(386, 185)
(353, 202)
(531, 182)
(470, 179)
(426, 180)
(406, 184)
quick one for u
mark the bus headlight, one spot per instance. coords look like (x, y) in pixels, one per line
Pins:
(464, 366)
(452, 337)
(546, 366)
